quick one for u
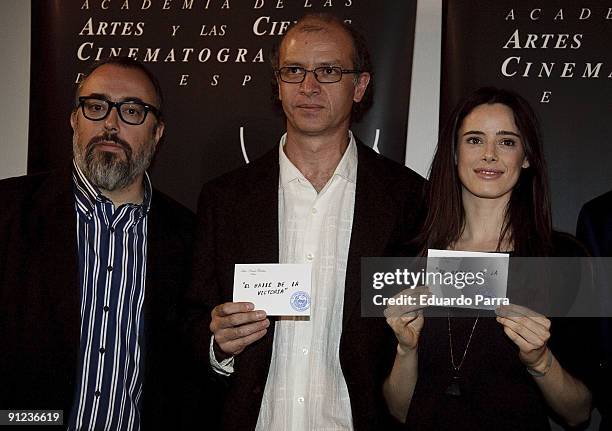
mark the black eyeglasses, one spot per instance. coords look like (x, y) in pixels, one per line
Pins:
(323, 74)
(134, 113)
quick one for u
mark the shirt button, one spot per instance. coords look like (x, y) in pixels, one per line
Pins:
(105, 308)
(304, 351)
(309, 256)
(102, 350)
(110, 268)
(300, 400)
(97, 394)
(112, 230)
(313, 210)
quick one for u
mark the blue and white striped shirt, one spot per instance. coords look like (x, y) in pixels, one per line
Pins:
(112, 246)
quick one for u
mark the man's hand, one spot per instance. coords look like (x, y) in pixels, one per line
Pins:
(236, 325)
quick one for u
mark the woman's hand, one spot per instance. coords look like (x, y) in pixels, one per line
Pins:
(407, 320)
(530, 331)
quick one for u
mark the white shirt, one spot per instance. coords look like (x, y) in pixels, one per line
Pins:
(306, 389)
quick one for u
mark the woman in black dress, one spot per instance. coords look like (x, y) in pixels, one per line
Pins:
(488, 192)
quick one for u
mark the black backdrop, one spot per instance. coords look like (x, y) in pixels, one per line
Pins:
(576, 122)
(220, 45)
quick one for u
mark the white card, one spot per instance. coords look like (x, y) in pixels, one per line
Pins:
(280, 289)
(470, 279)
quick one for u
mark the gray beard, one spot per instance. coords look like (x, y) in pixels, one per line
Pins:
(108, 171)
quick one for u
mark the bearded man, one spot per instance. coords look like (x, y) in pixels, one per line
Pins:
(92, 265)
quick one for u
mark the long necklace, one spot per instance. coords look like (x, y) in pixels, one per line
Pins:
(454, 387)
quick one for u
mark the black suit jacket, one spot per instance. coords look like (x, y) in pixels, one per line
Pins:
(238, 223)
(40, 296)
(594, 229)
(594, 226)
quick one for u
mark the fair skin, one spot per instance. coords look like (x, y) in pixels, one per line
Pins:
(318, 118)
(318, 115)
(490, 158)
(118, 84)
(489, 162)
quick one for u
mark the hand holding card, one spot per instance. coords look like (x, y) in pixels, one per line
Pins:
(235, 325)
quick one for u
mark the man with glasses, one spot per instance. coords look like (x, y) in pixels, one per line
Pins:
(93, 261)
(319, 197)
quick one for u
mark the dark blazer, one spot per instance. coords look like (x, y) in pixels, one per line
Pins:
(594, 229)
(238, 223)
(40, 295)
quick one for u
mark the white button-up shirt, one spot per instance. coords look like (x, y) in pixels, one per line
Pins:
(305, 389)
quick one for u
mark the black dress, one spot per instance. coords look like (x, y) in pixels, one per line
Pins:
(497, 392)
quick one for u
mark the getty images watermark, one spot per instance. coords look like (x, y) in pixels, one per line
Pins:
(552, 286)
(436, 281)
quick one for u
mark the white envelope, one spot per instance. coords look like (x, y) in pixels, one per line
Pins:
(280, 289)
(491, 268)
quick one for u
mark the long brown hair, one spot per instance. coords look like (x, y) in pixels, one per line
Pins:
(527, 221)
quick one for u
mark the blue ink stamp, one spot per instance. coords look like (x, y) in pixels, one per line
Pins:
(300, 301)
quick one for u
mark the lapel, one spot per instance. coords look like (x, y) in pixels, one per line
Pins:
(55, 258)
(167, 270)
(155, 245)
(373, 222)
(257, 219)
(257, 210)
(155, 252)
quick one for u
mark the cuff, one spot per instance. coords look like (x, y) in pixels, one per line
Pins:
(225, 367)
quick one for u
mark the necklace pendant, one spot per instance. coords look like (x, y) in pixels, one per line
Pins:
(454, 387)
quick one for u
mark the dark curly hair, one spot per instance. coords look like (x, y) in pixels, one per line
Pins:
(361, 59)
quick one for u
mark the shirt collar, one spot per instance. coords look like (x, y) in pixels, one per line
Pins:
(347, 168)
(91, 194)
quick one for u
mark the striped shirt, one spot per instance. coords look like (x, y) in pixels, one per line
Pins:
(112, 247)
